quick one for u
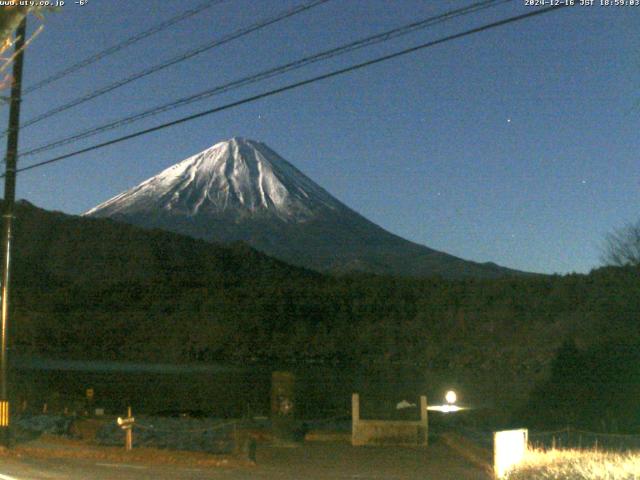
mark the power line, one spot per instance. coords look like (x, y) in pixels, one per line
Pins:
(269, 73)
(173, 61)
(120, 46)
(292, 86)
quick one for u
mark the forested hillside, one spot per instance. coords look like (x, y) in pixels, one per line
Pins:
(93, 288)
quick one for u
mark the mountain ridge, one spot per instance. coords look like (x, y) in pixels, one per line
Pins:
(241, 190)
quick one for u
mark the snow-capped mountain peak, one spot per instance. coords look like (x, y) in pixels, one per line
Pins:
(238, 176)
(241, 190)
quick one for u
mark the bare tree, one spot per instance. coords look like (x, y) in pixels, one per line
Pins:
(622, 247)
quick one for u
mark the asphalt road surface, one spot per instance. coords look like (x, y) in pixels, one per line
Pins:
(313, 461)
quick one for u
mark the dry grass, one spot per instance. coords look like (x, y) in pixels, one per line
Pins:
(577, 465)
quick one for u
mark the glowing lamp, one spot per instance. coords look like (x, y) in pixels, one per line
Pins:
(451, 397)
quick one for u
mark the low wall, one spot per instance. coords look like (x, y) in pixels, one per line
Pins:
(388, 432)
(382, 432)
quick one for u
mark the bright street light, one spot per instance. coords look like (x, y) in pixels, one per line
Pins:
(451, 397)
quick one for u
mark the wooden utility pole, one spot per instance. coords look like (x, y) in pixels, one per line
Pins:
(9, 201)
(128, 442)
(126, 424)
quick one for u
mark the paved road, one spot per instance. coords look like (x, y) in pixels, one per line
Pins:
(312, 461)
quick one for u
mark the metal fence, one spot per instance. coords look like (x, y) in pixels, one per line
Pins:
(570, 438)
(566, 438)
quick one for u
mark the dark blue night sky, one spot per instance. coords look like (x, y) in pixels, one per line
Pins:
(515, 145)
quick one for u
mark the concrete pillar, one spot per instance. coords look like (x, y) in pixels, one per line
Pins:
(423, 408)
(424, 419)
(355, 408)
(355, 418)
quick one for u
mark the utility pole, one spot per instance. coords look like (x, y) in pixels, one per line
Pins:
(9, 201)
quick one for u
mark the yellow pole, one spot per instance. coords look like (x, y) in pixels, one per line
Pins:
(129, 435)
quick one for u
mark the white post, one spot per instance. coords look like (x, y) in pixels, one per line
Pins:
(355, 416)
(509, 448)
(424, 419)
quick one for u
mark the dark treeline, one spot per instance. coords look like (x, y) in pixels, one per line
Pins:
(595, 388)
(96, 289)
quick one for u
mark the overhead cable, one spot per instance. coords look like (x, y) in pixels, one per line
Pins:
(296, 85)
(120, 46)
(173, 61)
(266, 74)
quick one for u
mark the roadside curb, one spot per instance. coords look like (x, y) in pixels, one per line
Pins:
(478, 456)
(55, 447)
(324, 436)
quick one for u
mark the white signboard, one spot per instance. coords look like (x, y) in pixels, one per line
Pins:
(509, 448)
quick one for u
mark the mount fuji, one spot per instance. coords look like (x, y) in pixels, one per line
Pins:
(241, 190)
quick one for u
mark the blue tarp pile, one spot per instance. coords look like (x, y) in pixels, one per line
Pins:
(53, 424)
(206, 435)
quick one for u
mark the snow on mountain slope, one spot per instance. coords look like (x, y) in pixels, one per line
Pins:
(237, 176)
(241, 190)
